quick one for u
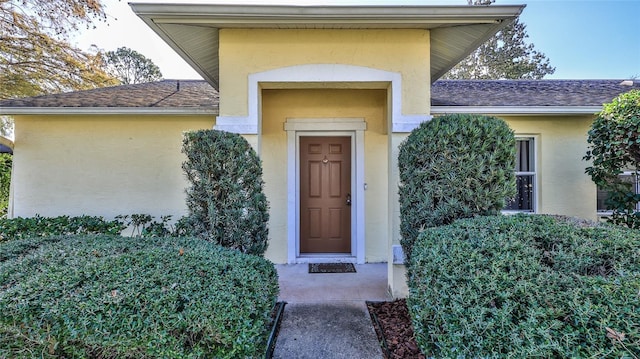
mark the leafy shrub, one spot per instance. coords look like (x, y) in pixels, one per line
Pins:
(145, 225)
(614, 147)
(114, 297)
(5, 182)
(17, 228)
(142, 225)
(226, 203)
(454, 166)
(526, 286)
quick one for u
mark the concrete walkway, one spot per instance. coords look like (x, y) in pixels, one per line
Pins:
(326, 315)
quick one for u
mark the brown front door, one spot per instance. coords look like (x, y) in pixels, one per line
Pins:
(325, 195)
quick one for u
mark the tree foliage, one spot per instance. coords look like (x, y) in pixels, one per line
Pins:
(6, 126)
(131, 67)
(505, 56)
(454, 166)
(225, 200)
(614, 147)
(35, 56)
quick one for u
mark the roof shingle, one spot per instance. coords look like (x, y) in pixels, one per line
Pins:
(520, 93)
(198, 94)
(161, 94)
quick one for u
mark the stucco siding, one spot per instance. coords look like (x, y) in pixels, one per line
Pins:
(100, 165)
(247, 51)
(277, 107)
(561, 142)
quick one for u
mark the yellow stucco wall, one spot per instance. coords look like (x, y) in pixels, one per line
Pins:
(100, 165)
(248, 51)
(278, 105)
(561, 142)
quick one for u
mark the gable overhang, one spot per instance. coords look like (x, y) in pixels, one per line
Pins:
(192, 29)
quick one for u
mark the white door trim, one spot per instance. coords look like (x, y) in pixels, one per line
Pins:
(352, 127)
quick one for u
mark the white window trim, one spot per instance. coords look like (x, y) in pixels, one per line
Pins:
(352, 127)
(536, 175)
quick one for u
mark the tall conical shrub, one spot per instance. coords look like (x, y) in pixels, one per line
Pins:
(454, 166)
(225, 200)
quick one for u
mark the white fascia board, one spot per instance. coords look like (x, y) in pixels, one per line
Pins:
(10, 111)
(519, 110)
(250, 15)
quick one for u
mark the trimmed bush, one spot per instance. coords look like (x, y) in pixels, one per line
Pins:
(454, 166)
(17, 228)
(5, 182)
(526, 286)
(114, 297)
(226, 203)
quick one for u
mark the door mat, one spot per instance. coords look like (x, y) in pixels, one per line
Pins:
(332, 268)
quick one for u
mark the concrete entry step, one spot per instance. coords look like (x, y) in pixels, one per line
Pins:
(297, 285)
(327, 331)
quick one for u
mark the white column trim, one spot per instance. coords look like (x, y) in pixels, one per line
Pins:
(330, 127)
(360, 208)
(318, 75)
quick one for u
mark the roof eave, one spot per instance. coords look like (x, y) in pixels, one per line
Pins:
(520, 110)
(247, 16)
(184, 111)
(165, 19)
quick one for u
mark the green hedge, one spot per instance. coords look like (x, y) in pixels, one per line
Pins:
(454, 166)
(114, 297)
(19, 227)
(526, 286)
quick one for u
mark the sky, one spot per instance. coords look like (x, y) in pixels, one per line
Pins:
(583, 39)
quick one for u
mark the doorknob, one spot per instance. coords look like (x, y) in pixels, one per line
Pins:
(348, 199)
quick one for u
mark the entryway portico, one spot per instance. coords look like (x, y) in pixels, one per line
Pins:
(328, 78)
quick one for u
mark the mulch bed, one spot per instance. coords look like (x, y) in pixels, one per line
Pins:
(395, 329)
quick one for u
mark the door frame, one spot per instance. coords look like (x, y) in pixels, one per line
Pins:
(346, 127)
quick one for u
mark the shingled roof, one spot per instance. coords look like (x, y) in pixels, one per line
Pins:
(165, 95)
(198, 96)
(521, 93)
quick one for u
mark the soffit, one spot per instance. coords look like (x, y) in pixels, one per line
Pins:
(192, 29)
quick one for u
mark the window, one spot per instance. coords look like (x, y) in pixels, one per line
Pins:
(525, 176)
(602, 196)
